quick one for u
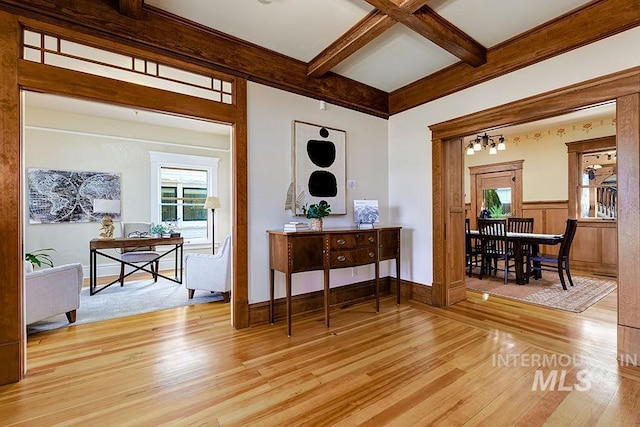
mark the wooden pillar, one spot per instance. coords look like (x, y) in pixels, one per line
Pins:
(448, 222)
(240, 191)
(628, 142)
(12, 337)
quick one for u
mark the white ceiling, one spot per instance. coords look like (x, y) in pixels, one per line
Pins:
(301, 29)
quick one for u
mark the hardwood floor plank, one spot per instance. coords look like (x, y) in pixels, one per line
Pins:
(474, 363)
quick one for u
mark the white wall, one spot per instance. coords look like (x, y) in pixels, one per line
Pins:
(271, 113)
(68, 141)
(410, 139)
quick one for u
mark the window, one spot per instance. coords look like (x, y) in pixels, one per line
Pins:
(599, 185)
(193, 202)
(593, 174)
(180, 186)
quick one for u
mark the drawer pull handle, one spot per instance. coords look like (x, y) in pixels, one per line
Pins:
(371, 239)
(341, 258)
(371, 254)
(341, 241)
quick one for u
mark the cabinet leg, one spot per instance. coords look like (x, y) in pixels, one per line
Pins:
(289, 304)
(271, 291)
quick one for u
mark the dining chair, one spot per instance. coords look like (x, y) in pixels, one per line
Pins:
(143, 254)
(494, 246)
(520, 225)
(559, 263)
(472, 248)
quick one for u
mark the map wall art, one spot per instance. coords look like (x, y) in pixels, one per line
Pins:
(57, 196)
(319, 166)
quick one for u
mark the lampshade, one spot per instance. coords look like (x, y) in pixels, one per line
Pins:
(212, 203)
(106, 206)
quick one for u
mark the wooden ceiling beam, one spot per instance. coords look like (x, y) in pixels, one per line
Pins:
(354, 39)
(590, 23)
(436, 29)
(157, 31)
(370, 27)
(130, 8)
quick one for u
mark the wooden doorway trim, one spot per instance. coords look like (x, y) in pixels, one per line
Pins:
(17, 75)
(622, 87)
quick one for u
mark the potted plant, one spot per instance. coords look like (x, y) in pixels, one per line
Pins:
(316, 212)
(157, 230)
(39, 257)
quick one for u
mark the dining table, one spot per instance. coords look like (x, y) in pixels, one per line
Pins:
(519, 240)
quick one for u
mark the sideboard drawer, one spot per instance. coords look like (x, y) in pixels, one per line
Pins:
(352, 258)
(352, 240)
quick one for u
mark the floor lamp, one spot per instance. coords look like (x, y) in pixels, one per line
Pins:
(213, 203)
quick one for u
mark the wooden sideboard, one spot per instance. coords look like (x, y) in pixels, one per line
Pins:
(294, 252)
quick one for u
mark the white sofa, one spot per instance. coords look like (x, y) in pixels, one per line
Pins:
(52, 291)
(209, 272)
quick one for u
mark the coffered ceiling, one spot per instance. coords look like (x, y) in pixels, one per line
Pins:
(380, 57)
(400, 44)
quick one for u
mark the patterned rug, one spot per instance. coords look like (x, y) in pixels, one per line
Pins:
(548, 291)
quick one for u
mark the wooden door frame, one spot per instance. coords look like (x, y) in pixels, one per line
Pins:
(622, 87)
(17, 75)
(515, 167)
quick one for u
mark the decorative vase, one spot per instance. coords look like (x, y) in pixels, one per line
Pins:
(316, 224)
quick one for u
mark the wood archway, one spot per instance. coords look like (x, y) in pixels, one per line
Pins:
(17, 75)
(448, 200)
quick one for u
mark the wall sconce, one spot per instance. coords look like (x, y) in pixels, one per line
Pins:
(482, 142)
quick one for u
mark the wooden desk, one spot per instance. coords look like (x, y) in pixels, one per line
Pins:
(293, 252)
(132, 242)
(519, 239)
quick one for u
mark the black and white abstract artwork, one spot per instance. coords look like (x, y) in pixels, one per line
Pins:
(57, 196)
(319, 166)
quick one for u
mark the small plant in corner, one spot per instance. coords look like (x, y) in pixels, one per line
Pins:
(39, 257)
(319, 210)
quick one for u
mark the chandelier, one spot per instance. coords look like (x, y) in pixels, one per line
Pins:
(482, 142)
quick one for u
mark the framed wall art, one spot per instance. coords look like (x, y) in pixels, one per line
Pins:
(319, 166)
(67, 196)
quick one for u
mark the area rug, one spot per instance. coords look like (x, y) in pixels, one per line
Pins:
(134, 297)
(548, 291)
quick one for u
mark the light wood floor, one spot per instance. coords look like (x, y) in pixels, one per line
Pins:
(409, 365)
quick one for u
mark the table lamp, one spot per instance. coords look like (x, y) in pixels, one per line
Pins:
(106, 207)
(213, 203)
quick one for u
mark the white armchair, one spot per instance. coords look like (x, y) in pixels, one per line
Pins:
(207, 272)
(53, 291)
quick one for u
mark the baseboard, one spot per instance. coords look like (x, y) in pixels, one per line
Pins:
(341, 296)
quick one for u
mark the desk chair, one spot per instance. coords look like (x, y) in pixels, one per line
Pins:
(142, 254)
(559, 263)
